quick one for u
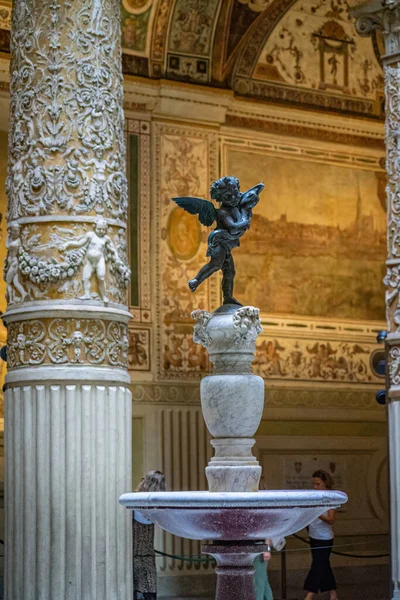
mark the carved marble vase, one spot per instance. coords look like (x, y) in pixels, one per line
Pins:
(232, 398)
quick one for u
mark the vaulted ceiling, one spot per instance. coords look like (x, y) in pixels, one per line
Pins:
(304, 52)
(301, 52)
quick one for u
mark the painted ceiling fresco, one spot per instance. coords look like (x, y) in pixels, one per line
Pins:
(302, 52)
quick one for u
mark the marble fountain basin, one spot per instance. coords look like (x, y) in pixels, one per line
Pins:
(233, 516)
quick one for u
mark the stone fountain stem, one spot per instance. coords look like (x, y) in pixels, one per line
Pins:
(235, 571)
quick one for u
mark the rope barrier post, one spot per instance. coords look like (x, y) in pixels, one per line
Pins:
(284, 592)
(283, 575)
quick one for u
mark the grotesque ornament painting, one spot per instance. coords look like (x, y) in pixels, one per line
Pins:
(232, 220)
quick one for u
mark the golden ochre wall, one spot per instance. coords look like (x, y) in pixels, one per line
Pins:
(320, 308)
(312, 261)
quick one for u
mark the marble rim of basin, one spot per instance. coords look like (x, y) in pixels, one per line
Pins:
(262, 499)
(228, 516)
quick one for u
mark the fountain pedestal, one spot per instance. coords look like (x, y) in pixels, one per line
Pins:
(233, 514)
(232, 398)
(234, 569)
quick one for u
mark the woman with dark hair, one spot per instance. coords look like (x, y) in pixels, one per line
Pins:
(320, 577)
(144, 558)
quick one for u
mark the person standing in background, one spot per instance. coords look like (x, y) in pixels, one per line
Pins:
(320, 577)
(144, 557)
(261, 582)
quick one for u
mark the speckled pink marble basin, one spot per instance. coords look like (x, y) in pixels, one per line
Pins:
(233, 515)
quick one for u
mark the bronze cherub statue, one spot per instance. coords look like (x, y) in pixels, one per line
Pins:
(232, 218)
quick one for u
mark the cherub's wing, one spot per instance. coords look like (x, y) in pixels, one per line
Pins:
(197, 206)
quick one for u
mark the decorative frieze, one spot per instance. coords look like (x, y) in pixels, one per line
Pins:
(139, 350)
(67, 341)
(276, 397)
(308, 360)
(86, 261)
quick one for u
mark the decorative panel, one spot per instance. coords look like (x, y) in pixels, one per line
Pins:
(138, 134)
(190, 39)
(185, 164)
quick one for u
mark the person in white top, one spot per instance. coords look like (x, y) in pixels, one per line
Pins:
(320, 577)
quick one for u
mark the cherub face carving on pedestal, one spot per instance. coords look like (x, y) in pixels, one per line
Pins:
(232, 220)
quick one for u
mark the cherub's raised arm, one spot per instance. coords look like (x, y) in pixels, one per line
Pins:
(250, 198)
(81, 241)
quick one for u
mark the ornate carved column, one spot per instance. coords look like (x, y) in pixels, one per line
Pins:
(67, 402)
(385, 15)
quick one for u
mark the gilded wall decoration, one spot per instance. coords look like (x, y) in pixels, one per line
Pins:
(136, 21)
(139, 177)
(242, 15)
(188, 68)
(256, 5)
(315, 45)
(185, 165)
(190, 39)
(345, 362)
(159, 34)
(317, 246)
(139, 350)
(67, 341)
(184, 234)
(192, 26)
(5, 14)
(136, 6)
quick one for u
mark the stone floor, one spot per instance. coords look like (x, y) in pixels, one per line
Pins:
(349, 592)
(354, 583)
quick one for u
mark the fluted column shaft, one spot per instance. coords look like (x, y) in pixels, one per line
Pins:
(67, 400)
(385, 15)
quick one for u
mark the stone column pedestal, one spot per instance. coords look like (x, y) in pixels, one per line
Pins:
(232, 398)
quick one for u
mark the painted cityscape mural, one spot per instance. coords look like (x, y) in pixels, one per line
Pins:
(317, 243)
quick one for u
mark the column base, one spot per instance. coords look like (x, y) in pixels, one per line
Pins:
(67, 461)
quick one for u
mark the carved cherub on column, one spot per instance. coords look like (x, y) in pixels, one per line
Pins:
(97, 17)
(392, 281)
(95, 257)
(11, 273)
(98, 192)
